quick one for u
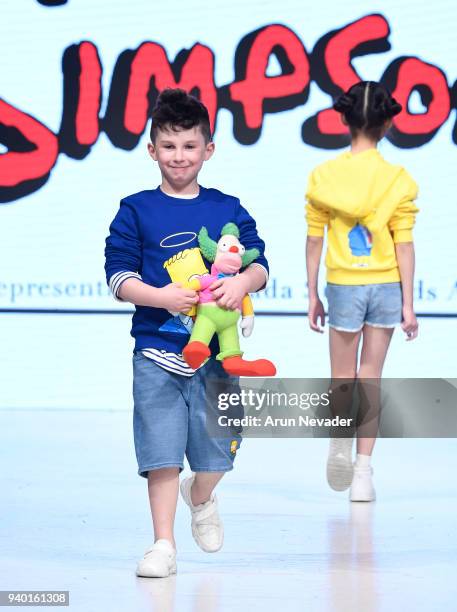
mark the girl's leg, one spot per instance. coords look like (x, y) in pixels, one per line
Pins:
(375, 344)
(343, 353)
(343, 359)
(163, 487)
(203, 485)
(343, 362)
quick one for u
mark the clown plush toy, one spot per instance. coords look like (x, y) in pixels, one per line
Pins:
(227, 257)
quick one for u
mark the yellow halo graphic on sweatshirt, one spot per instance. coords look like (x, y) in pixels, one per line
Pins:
(168, 243)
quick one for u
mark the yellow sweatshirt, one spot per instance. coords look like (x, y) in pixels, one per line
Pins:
(367, 205)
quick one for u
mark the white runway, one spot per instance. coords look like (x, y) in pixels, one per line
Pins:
(75, 516)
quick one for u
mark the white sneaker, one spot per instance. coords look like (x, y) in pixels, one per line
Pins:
(159, 561)
(339, 463)
(362, 488)
(207, 527)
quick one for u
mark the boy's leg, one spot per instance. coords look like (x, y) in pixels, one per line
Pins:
(163, 485)
(160, 422)
(203, 485)
(209, 453)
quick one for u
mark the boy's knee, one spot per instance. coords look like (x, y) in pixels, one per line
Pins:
(161, 474)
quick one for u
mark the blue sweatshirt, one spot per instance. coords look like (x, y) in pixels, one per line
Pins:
(149, 228)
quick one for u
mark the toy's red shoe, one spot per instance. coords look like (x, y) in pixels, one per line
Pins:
(195, 353)
(237, 366)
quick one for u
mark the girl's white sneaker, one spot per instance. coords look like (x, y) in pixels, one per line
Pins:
(207, 528)
(339, 464)
(362, 488)
(159, 561)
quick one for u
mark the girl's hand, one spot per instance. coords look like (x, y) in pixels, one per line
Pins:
(409, 324)
(229, 292)
(174, 298)
(316, 311)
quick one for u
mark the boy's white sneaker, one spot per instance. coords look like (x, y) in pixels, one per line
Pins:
(362, 488)
(159, 561)
(339, 464)
(207, 528)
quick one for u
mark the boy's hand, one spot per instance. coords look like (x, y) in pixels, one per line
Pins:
(174, 298)
(194, 284)
(315, 312)
(229, 292)
(409, 324)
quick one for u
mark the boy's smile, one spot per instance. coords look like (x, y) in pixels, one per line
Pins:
(180, 154)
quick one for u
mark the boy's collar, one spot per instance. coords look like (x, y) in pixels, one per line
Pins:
(180, 202)
(183, 196)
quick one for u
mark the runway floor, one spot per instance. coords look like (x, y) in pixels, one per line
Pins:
(74, 516)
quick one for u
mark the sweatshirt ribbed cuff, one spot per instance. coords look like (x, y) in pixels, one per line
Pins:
(315, 231)
(116, 281)
(265, 272)
(403, 235)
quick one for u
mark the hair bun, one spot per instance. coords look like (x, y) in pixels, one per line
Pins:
(344, 103)
(395, 107)
(386, 109)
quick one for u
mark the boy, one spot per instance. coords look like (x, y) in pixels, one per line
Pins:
(152, 235)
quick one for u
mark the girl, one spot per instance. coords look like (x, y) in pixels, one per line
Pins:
(367, 205)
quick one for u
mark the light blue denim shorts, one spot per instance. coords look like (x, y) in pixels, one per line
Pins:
(350, 307)
(170, 419)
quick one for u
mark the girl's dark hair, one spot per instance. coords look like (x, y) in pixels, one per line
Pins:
(366, 106)
(175, 109)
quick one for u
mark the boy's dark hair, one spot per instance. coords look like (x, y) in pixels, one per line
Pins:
(366, 106)
(175, 109)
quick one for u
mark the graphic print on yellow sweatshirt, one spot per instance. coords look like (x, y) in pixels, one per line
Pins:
(367, 205)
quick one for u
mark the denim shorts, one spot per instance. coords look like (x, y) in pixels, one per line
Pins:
(350, 307)
(170, 418)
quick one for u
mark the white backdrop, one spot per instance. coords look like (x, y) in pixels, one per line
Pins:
(52, 240)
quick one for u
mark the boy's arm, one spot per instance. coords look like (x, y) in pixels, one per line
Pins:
(135, 291)
(123, 251)
(229, 292)
(255, 278)
(256, 274)
(172, 297)
(123, 261)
